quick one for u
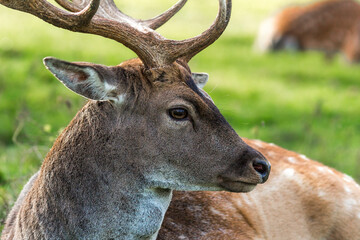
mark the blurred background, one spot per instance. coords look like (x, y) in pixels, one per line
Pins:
(299, 101)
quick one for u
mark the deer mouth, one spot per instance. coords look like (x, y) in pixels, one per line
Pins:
(236, 185)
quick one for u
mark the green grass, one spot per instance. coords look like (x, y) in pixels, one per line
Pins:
(298, 101)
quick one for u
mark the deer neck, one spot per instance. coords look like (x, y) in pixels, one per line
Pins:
(82, 186)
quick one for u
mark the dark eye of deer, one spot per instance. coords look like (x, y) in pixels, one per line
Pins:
(178, 113)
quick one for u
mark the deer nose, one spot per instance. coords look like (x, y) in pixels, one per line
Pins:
(262, 167)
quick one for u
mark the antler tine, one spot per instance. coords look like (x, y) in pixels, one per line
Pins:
(53, 15)
(108, 7)
(85, 15)
(159, 20)
(188, 48)
(70, 6)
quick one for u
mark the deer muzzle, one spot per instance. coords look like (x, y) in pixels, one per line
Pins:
(250, 169)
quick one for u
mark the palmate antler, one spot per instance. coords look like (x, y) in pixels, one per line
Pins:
(103, 18)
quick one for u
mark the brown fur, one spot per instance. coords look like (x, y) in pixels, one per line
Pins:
(302, 199)
(329, 26)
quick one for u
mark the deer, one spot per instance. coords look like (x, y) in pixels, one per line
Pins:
(148, 129)
(329, 26)
(302, 199)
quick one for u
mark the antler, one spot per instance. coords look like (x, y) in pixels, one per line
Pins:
(105, 19)
(108, 9)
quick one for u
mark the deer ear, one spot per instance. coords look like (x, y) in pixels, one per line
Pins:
(84, 79)
(200, 79)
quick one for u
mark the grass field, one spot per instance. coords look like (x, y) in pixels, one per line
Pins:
(298, 101)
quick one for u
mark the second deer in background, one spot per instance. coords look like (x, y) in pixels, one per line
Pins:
(329, 26)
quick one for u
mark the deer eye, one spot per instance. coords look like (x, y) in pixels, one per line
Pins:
(178, 113)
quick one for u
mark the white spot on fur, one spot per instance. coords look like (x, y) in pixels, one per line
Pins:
(321, 169)
(347, 178)
(325, 170)
(349, 203)
(292, 159)
(289, 172)
(321, 193)
(330, 171)
(304, 157)
(258, 143)
(347, 189)
(182, 237)
(271, 154)
(266, 34)
(272, 144)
